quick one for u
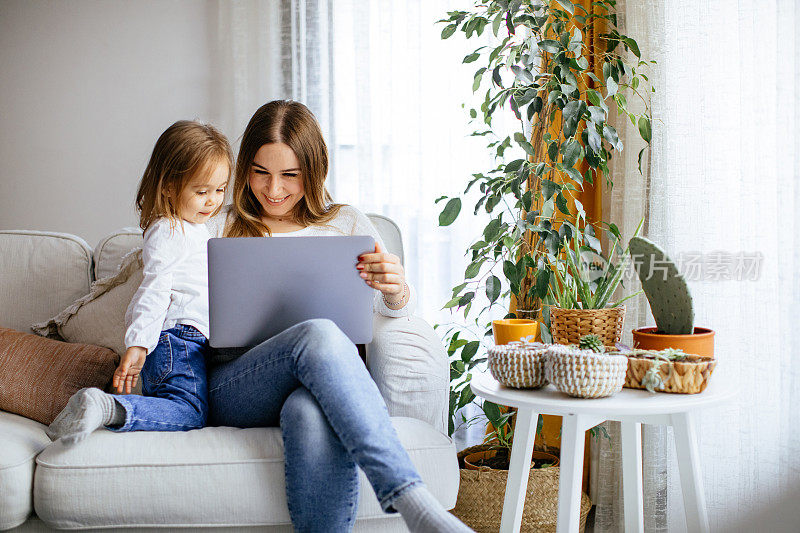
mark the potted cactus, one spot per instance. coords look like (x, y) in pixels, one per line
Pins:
(670, 301)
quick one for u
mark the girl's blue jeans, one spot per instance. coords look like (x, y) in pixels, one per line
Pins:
(174, 387)
(311, 382)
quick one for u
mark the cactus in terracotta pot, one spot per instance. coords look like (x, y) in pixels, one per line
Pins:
(666, 288)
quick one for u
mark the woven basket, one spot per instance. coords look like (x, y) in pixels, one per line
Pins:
(584, 373)
(481, 493)
(686, 377)
(518, 365)
(567, 326)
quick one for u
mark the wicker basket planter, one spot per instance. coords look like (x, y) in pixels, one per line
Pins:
(687, 376)
(481, 494)
(584, 373)
(567, 326)
(518, 365)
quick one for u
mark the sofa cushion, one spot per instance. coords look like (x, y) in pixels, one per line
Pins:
(98, 318)
(40, 274)
(110, 250)
(38, 375)
(21, 439)
(207, 477)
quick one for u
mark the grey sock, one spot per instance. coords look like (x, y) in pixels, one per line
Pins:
(87, 410)
(423, 513)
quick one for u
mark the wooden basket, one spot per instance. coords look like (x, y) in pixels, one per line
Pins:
(567, 326)
(689, 376)
(481, 493)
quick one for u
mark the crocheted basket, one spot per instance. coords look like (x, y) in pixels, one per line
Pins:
(584, 373)
(567, 326)
(689, 376)
(481, 492)
(518, 365)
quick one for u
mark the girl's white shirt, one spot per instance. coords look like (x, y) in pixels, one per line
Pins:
(349, 221)
(174, 289)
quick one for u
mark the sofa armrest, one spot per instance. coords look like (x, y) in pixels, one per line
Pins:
(409, 364)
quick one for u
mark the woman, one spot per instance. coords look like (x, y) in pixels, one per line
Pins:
(309, 379)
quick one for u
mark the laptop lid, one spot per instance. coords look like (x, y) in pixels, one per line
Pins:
(258, 287)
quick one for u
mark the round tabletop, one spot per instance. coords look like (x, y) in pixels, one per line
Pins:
(549, 400)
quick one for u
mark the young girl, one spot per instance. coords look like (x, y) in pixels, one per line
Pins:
(167, 319)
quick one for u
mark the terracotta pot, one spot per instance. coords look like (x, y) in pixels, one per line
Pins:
(512, 329)
(471, 461)
(701, 342)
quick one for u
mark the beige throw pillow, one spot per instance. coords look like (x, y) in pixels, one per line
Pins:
(38, 376)
(99, 317)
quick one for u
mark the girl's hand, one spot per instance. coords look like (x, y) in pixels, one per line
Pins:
(383, 271)
(127, 373)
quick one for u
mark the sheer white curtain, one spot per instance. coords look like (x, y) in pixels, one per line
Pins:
(722, 180)
(387, 92)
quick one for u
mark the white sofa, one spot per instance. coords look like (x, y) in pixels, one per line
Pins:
(216, 478)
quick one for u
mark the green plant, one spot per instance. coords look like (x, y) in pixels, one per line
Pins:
(576, 288)
(541, 71)
(591, 342)
(665, 287)
(652, 379)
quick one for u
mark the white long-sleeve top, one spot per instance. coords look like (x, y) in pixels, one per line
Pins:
(349, 221)
(174, 289)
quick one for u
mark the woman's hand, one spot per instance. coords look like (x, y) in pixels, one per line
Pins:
(383, 271)
(130, 366)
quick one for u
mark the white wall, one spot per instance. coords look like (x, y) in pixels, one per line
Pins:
(86, 88)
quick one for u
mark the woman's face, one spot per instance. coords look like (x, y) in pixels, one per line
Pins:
(276, 181)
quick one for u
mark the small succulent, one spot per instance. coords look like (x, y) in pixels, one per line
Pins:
(591, 342)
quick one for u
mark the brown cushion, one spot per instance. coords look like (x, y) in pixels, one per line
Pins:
(38, 375)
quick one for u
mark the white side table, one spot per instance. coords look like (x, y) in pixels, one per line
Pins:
(632, 408)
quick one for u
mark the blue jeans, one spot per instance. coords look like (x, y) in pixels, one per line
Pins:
(310, 380)
(174, 387)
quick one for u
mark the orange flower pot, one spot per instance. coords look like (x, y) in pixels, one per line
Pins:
(512, 329)
(701, 342)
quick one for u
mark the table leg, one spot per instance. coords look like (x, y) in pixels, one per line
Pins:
(518, 470)
(632, 476)
(571, 476)
(694, 501)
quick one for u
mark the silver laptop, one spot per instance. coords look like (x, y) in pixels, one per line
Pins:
(258, 287)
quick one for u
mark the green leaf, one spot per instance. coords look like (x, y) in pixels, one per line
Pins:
(561, 202)
(469, 351)
(496, 76)
(572, 152)
(547, 208)
(474, 268)
(523, 75)
(517, 163)
(478, 76)
(552, 151)
(633, 46)
(459, 288)
(644, 128)
(510, 271)
(571, 110)
(496, 23)
(594, 97)
(451, 303)
(542, 282)
(450, 212)
(449, 30)
(574, 174)
(593, 138)
(549, 188)
(466, 298)
(611, 136)
(549, 46)
(567, 5)
(612, 86)
(491, 230)
(492, 288)
(472, 57)
(597, 113)
(640, 160)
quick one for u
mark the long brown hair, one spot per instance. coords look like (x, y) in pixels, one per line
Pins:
(181, 152)
(293, 124)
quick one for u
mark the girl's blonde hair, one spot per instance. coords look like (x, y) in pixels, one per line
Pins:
(293, 124)
(183, 151)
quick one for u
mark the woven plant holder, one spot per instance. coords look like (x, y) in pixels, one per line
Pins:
(584, 373)
(518, 365)
(567, 326)
(481, 494)
(689, 376)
